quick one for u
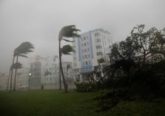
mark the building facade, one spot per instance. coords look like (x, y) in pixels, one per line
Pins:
(35, 75)
(89, 48)
(50, 76)
(43, 73)
(3, 81)
(22, 82)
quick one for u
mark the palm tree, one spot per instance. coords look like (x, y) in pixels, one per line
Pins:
(69, 31)
(23, 49)
(13, 66)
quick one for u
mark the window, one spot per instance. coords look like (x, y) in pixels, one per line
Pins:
(98, 47)
(86, 62)
(97, 34)
(99, 53)
(98, 40)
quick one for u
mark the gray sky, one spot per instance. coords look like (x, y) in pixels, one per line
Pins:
(39, 21)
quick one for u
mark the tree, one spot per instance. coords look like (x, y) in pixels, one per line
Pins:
(122, 58)
(148, 42)
(101, 60)
(21, 51)
(124, 50)
(158, 40)
(66, 32)
(132, 74)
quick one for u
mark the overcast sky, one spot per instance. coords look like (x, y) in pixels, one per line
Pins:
(39, 21)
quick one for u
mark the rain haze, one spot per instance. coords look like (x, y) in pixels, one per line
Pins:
(39, 21)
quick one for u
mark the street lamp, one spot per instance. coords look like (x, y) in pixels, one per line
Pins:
(30, 74)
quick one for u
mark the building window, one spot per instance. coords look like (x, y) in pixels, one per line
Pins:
(98, 47)
(98, 40)
(97, 34)
(99, 53)
(86, 62)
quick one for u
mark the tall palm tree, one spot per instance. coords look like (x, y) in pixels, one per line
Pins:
(69, 31)
(21, 51)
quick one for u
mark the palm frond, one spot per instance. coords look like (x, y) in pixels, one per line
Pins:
(67, 49)
(67, 40)
(22, 55)
(16, 66)
(69, 31)
(23, 48)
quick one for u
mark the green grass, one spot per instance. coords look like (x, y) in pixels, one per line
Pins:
(57, 103)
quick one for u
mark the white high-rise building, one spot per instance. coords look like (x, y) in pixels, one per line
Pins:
(89, 48)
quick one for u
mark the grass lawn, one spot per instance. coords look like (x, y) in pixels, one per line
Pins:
(57, 103)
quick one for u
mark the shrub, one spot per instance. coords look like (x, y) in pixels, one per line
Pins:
(86, 86)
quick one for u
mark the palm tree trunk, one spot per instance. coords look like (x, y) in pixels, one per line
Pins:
(59, 79)
(61, 69)
(8, 80)
(11, 74)
(15, 76)
(59, 74)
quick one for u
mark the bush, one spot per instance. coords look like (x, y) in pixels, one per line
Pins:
(86, 86)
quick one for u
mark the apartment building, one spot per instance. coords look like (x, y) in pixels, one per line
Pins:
(89, 48)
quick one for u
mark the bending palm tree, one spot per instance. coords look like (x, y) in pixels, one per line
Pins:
(67, 32)
(21, 50)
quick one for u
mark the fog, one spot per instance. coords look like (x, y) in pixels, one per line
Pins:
(39, 21)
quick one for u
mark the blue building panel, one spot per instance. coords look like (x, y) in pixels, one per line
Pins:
(85, 67)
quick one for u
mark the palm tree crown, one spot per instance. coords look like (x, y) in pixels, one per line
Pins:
(23, 49)
(69, 31)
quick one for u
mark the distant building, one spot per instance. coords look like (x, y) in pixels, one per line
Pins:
(43, 73)
(69, 74)
(50, 76)
(23, 78)
(50, 73)
(89, 48)
(35, 75)
(3, 81)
